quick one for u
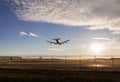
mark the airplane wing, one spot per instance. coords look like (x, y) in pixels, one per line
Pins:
(65, 41)
(51, 42)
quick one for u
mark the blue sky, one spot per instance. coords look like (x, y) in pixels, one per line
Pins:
(42, 25)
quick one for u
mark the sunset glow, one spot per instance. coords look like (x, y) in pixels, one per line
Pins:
(96, 48)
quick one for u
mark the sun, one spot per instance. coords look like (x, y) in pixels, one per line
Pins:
(96, 47)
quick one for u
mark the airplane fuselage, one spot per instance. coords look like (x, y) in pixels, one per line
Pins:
(58, 42)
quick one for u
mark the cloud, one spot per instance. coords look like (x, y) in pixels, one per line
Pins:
(93, 14)
(113, 46)
(101, 38)
(30, 34)
(116, 32)
(33, 35)
(23, 33)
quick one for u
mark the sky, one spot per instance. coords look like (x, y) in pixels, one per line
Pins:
(26, 25)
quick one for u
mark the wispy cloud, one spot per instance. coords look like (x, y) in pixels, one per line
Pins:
(30, 34)
(101, 38)
(113, 46)
(116, 32)
(83, 46)
(33, 35)
(94, 14)
(23, 33)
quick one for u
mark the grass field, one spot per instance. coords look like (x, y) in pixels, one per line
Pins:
(58, 71)
(13, 75)
(83, 65)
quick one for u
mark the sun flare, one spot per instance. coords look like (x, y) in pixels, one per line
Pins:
(96, 48)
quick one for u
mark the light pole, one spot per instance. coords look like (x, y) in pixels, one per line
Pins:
(65, 59)
(95, 61)
(80, 61)
(112, 60)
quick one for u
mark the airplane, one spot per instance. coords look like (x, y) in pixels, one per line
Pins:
(58, 42)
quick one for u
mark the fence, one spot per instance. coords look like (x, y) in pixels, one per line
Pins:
(83, 59)
(73, 62)
(78, 62)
